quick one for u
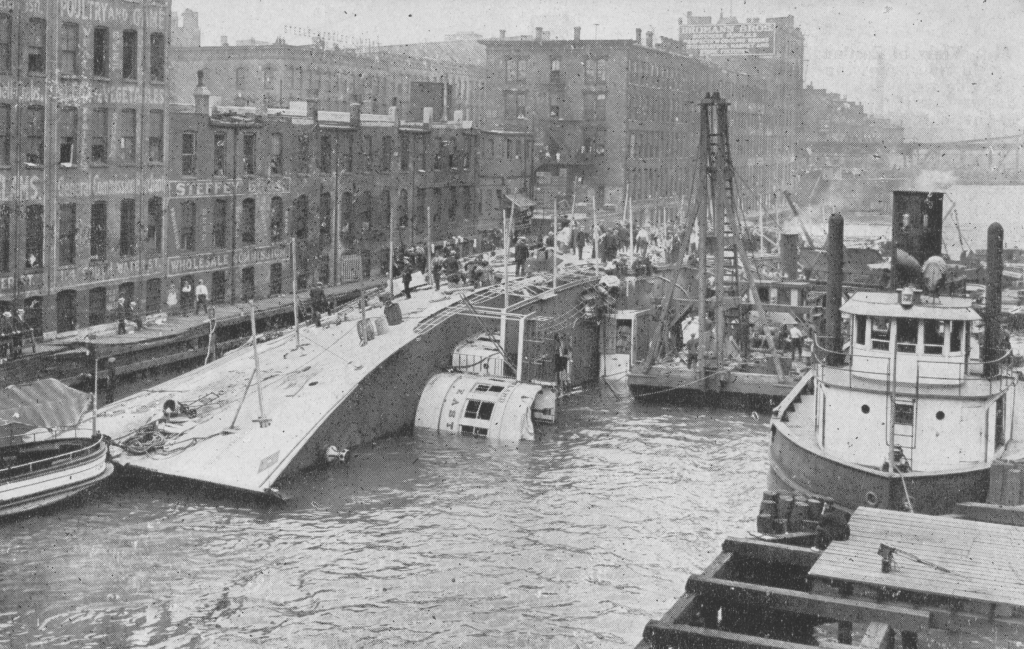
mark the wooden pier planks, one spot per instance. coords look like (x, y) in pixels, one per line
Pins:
(985, 561)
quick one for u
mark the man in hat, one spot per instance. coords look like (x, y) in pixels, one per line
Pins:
(522, 253)
(202, 295)
(317, 301)
(122, 316)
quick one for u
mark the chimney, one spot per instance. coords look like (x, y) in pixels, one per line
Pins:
(201, 95)
(224, 40)
(639, 35)
(501, 34)
(540, 34)
(650, 39)
(576, 33)
(990, 344)
(834, 291)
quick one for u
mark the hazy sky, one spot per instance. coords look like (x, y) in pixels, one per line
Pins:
(957, 66)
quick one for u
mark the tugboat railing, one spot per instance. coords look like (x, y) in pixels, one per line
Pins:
(18, 471)
(970, 379)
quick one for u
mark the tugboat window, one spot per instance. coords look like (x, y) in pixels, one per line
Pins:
(483, 387)
(862, 326)
(934, 335)
(906, 335)
(880, 333)
(956, 336)
(479, 409)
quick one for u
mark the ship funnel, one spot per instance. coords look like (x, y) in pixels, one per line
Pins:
(991, 345)
(916, 232)
(834, 295)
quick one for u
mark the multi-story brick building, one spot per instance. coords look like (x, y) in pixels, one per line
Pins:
(344, 184)
(612, 115)
(83, 106)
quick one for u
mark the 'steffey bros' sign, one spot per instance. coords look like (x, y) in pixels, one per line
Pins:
(745, 39)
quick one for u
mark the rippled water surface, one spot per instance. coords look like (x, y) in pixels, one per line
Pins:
(574, 540)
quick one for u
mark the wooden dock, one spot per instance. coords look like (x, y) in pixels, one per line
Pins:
(947, 582)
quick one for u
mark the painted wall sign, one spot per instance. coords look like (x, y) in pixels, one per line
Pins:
(756, 39)
(107, 271)
(227, 187)
(221, 260)
(26, 282)
(109, 185)
(104, 11)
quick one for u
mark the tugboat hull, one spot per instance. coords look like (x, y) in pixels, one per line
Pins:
(41, 483)
(794, 467)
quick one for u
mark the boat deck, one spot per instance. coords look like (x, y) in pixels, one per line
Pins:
(738, 379)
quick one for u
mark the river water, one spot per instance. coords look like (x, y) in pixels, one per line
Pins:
(574, 540)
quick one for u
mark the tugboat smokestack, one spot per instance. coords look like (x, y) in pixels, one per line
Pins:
(993, 300)
(834, 294)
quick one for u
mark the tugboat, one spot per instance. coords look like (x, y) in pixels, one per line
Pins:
(905, 412)
(43, 459)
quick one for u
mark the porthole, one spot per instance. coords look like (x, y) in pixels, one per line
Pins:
(871, 499)
(940, 415)
(865, 408)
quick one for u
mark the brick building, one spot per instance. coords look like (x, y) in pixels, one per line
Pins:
(607, 115)
(244, 181)
(83, 104)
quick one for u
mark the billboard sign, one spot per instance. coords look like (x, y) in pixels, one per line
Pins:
(744, 39)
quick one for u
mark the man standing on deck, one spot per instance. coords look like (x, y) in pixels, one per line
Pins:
(122, 316)
(202, 295)
(691, 351)
(796, 341)
(134, 315)
(522, 253)
(186, 296)
(317, 301)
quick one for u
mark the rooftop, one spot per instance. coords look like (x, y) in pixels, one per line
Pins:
(887, 305)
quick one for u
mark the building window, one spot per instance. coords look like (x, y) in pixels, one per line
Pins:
(5, 238)
(218, 286)
(98, 232)
(248, 283)
(276, 154)
(386, 149)
(34, 130)
(129, 54)
(35, 46)
(554, 106)
(68, 49)
(68, 134)
(33, 236)
(156, 136)
(368, 152)
(268, 78)
(249, 153)
(156, 57)
(67, 230)
(556, 70)
(602, 70)
(302, 157)
(405, 154)
(188, 225)
(100, 134)
(5, 41)
(220, 153)
(5, 134)
(326, 154)
(325, 216)
(601, 106)
(127, 242)
(101, 52)
(249, 221)
(126, 138)
(219, 225)
(155, 226)
(276, 218)
(300, 216)
(240, 79)
(97, 306)
(515, 70)
(276, 276)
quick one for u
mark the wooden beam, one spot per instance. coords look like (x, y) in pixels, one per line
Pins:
(662, 635)
(767, 552)
(796, 601)
(876, 636)
(684, 603)
(986, 513)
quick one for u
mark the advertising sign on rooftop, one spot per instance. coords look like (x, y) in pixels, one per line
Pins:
(745, 39)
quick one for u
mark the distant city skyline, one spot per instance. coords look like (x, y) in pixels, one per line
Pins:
(947, 71)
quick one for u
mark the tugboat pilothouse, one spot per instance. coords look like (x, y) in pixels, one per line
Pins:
(907, 412)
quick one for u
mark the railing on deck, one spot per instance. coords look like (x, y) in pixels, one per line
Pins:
(970, 378)
(9, 473)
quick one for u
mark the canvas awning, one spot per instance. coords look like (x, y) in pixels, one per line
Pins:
(521, 201)
(46, 403)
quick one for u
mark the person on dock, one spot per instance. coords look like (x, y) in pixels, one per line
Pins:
(186, 296)
(437, 265)
(522, 253)
(317, 302)
(7, 335)
(579, 240)
(796, 342)
(172, 300)
(122, 316)
(691, 351)
(642, 241)
(407, 279)
(202, 296)
(21, 329)
(134, 314)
